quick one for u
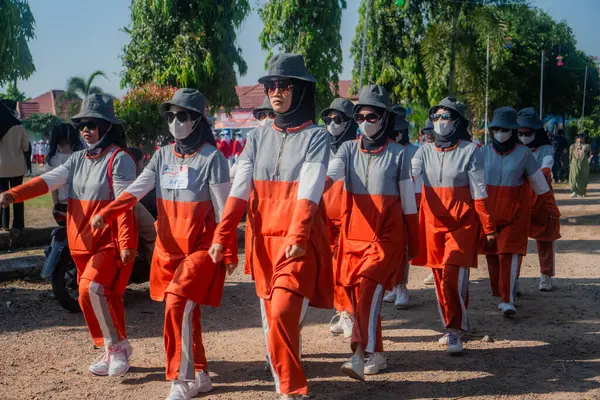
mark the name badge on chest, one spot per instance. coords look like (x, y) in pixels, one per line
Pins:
(174, 177)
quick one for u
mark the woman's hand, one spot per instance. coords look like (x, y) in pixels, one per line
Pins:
(491, 238)
(292, 251)
(216, 253)
(230, 268)
(127, 256)
(98, 222)
(6, 199)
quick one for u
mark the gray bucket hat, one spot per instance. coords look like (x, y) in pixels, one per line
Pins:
(287, 66)
(399, 111)
(344, 106)
(190, 99)
(373, 95)
(400, 124)
(265, 106)
(97, 106)
(428, 126)
(504, 117)
(528, 118)
(453, 104)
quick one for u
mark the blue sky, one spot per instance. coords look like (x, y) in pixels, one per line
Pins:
(77, 37)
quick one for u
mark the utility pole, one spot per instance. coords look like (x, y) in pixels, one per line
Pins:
(487, 85)
(364, 44)
(542, 88)
(584, 90)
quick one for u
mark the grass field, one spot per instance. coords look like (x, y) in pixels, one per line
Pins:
(44, 201)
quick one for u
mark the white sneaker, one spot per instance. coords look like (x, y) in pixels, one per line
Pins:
(344, 324)
(375, 363)
(429, 281)
(443, 340)
(354, 368)
(507, 309)
(183, 390)
(203, 382)
(118, 358)
(100, 365)
(454, 343)
(401, 296)
(573, 195)
(390, 296)
(546, 283)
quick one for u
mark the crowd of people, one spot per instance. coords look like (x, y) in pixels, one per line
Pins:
(335, 217)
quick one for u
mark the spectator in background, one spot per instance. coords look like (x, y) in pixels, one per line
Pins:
(579, 173)
(560, 146)
(13, 145)
(225, 145)
(28, 155)
(238, 145)
(64, 140)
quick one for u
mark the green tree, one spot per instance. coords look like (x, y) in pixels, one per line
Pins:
(16, 28)
(392, 56)
(41, 123)
(186, 43)
(78, 87)
(310, 28)
(13, 93)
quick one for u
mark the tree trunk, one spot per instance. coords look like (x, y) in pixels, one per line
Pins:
(452, 73)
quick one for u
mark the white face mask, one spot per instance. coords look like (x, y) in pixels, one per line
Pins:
(443, 128)
(502, 136)
(370, 130)
(181, 130)
(526, 139)
(337, 129)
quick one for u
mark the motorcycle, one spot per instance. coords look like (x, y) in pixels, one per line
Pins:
(59, 267)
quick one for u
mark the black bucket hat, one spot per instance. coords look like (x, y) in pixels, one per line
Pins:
(374, 96)
(399, 111)
(504, 117)
(287, 66)
(265, 106)
(190, 99)
(400, 124)
(97, 106)
(344, 106)
(528, 118)
(453, 104)
(428, 127)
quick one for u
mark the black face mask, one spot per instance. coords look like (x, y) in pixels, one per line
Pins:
(303, 106)
(507, 146)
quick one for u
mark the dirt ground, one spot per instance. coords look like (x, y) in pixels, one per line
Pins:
(550, 350)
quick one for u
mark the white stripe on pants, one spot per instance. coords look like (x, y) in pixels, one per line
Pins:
(374, 318)
(186, 364)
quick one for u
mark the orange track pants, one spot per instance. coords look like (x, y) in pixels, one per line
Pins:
(403, 270)
(546, 256)
(282, 317)
(183, 339)
(367, 297)
(504, 272)
(102, 282)
(452, 290)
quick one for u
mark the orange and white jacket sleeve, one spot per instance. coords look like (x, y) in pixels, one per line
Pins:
(219, 186)
(310, 189)
(124, 171)
(43, 184)
(406, 188)
(540, 186)
(478, 189)
(417, 168)
(238, 196)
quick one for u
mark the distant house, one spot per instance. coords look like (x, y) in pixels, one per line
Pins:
(45, 104)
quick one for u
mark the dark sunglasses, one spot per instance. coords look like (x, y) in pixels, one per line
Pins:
(444, 117)
(181, 116)
(527, 133)
(91, 125)
(370, 118)
(338, 119)
(265, 114)
(283, 86)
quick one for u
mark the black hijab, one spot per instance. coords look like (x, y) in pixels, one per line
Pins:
(540, 139)
(7, 119)
(459, 132)
(403, 137)
(387, 131)
(201, 133)
(60, 133)
(507, 146)
(349, 134)
(302, 108)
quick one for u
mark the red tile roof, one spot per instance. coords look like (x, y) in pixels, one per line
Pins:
(45, 104)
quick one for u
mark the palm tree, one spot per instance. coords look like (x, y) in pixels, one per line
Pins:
(79, 87)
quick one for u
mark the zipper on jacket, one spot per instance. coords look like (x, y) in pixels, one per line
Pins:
(442, 165)
(280, 153)
(367, 173)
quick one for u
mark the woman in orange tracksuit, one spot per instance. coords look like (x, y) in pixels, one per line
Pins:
(94, 177)
(453, 213)
(281, 176)
(544, 228)
(507, 162)
(191, 178)
(338, 118)
(380, 208)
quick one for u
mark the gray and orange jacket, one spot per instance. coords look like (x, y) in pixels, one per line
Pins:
(411, 150)
(454, 207)
(186, 220)
(379, 210)
(280, 177)
(509, 195)
(89, 192)
(543, 227)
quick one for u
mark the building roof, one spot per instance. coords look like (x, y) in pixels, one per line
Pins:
(45, 104)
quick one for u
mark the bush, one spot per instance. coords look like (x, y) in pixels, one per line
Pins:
(41, 124)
